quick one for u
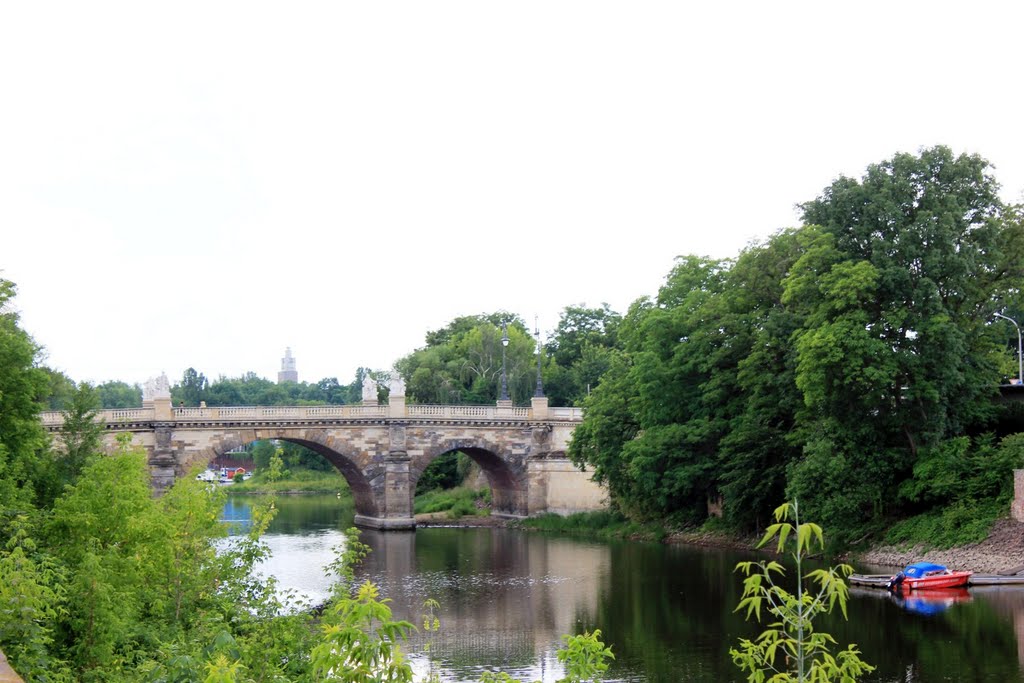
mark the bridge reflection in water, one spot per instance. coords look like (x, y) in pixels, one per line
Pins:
(506, 597)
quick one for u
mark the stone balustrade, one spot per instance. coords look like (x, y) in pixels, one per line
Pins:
(54, 419)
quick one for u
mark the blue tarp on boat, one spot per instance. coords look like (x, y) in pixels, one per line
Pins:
(919, 569)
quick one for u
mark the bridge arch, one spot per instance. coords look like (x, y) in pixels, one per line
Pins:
(506, 475)
(354, 471)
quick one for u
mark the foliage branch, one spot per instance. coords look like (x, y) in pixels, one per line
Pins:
(790, 649)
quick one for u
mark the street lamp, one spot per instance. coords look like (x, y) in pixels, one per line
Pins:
(1020, 358)
(539, 393)
(504, 380)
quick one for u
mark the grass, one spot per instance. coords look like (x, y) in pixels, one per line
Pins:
(957, 525)
(600, 524)
(299, 481)
(457, 502)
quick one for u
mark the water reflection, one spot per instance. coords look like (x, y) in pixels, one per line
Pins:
(931, 602)
(507, 597)
(301, 537)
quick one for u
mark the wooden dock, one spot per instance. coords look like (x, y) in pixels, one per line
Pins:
(870, 580)
(882, 580)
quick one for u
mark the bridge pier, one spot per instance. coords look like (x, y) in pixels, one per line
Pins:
(162, 463)
(397, 513)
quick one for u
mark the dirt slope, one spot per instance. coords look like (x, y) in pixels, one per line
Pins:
(1001, 552)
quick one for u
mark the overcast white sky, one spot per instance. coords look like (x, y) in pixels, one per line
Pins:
(203, 184)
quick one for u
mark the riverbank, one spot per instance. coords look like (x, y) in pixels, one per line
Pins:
(298, 482)
(1001, 552)
(443, 519)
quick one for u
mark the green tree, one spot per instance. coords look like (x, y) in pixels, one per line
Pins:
(184, 565)
(116, 394)
(608, 424)
(191, 390)
(296, 456)
(262, 452)
(754, 382)
(331, 390)
(896, 353)
(580, 327)
(31, 602)
(23, 443)
(648, 430)
(579, 352)
(462, 363)
(61, 387)
(80, 434)
(102, 531)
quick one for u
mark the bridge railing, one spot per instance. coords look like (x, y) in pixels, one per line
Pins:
(276, 413)
(466, 412)
(279, 412)
(572, 414)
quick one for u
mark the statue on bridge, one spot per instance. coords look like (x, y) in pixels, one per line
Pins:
(369, 389)
(156, 388)
(396, 385)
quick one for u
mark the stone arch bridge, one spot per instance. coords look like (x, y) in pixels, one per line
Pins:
(380, 449)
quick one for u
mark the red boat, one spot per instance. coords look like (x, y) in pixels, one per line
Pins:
(927, 576)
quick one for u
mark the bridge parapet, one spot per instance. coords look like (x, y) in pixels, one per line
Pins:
(54, 419)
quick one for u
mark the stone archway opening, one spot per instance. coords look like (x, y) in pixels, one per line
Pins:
(508, 488)
(366, 503)
(362, 493)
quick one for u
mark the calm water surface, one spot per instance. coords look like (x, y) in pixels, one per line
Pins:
(667, 611)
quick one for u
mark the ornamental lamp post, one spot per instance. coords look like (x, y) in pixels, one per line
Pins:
(504, 380)
(1020, 358)
(539, 393)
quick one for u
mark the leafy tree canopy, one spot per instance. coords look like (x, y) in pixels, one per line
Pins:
(462, 362)
(821, 363)
(23, 384)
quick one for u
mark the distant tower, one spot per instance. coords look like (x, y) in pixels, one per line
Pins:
(288, 372)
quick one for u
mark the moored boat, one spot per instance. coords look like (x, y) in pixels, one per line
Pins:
(207, 475)
(928, 576)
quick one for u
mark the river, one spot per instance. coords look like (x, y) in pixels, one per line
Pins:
(667, 611)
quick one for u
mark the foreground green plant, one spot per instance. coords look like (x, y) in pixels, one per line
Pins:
(360, 642)
(585, 658)
(790, 649)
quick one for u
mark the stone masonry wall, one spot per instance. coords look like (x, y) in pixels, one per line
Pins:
(382, 460)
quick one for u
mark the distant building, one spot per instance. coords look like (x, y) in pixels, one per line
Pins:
(288, 372)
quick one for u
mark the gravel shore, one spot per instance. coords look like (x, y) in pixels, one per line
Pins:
(1001, 552)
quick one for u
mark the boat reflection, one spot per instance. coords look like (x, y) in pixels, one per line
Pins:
(931, 601)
